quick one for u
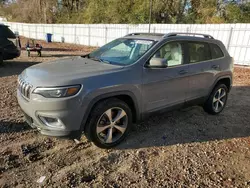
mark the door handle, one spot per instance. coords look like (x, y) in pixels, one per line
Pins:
(183, 72)
(215, 66)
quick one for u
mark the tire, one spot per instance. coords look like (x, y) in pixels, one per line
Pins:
(99, 118)
(1, 57)
(217, 100)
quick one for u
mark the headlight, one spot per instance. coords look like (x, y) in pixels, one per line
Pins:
(58, 92)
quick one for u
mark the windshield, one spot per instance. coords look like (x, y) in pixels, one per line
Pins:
(122, 51)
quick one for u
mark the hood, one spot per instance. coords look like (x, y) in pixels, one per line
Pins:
(65, 71)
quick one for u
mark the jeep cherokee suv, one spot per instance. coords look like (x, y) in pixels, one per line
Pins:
(101, 94)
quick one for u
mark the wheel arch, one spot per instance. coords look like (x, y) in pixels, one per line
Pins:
(227, 80)
(224, 80)
(126, 96)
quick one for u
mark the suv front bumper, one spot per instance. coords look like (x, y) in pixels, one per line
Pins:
(67, 113)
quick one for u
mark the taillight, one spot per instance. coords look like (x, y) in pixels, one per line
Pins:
(13, 40)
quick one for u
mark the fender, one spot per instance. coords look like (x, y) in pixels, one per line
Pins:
(217, 80)
(108, 95)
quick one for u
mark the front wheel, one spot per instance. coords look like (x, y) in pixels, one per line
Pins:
(109, 123)
(217, 100)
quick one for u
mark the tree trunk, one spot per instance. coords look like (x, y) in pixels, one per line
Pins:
(45, 12)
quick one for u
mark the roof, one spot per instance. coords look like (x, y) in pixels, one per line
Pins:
(160, 36)
(145, 36)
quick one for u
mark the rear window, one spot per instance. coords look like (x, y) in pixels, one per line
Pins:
(216, 51)
(6, 32)
(198, 52)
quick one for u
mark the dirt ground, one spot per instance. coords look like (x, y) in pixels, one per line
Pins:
(184, 148)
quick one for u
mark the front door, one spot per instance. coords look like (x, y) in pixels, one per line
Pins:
(165, 87)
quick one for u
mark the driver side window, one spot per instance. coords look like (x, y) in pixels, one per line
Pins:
(172, 52)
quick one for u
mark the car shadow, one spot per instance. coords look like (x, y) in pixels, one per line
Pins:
(10, 68)
(13, 127)
(194, 125)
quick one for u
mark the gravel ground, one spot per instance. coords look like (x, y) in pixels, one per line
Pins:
(184, 148)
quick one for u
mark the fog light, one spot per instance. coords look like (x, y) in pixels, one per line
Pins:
(51, 121)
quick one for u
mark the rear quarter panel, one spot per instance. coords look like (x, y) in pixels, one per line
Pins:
(225, 70)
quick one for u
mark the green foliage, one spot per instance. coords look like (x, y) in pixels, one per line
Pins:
(236, 13)
(125, 11)
(116, 11)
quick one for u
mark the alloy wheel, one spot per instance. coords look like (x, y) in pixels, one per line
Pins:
(112, 125)
(219, 99)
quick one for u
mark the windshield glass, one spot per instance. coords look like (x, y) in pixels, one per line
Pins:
(122, 51)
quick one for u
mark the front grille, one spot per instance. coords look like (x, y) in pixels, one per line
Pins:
(24, 88)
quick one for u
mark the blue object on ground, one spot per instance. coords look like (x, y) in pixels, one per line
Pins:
(48, 37)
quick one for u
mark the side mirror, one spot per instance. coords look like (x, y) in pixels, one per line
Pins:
(158, 63)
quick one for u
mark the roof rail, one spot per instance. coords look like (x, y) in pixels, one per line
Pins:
(193, 34)
(152, 34)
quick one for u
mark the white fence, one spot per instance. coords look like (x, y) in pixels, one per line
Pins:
(236, 37)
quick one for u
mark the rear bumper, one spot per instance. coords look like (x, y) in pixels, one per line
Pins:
(11, 54)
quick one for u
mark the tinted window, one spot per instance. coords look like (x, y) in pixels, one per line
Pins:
(6, 32)
(172, 52)
(216, 51)
(198, 52)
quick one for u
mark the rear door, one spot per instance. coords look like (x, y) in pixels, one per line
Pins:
(200, 65)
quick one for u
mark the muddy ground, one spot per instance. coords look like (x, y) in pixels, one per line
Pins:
(184, 148)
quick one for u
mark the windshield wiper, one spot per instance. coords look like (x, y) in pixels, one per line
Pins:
(105, 61)
(100, 60)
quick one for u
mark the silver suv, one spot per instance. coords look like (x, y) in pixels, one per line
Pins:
(103, 93)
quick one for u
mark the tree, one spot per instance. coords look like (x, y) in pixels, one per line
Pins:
(3, 1)
(129, 11)
(236, 13)
(32, 11)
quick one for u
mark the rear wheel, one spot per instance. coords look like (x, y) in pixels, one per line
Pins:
(217, 100)
(109, 123)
